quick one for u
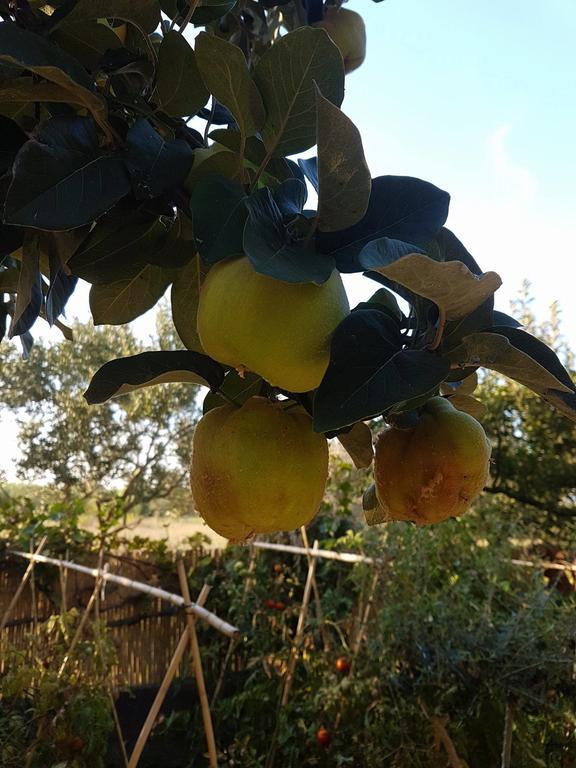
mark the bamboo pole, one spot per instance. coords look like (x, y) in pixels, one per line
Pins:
(295, 651)
(343, 557)
(161, 695)
(317, 602)
(230, 650)
(366, 615)
(84, 619)
(162, 594)
(33, 596)
(507, 738)
(23, 582)
(118, 728)
(197, 662)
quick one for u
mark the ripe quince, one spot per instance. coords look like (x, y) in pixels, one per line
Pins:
(347, 30)
(258, 468)
(433, 470)
(279, 330)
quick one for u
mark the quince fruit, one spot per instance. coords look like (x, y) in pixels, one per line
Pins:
(347, 30)
(433, 470)
(259, 468)
(279, 330)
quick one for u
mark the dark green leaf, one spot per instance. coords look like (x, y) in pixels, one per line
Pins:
(285, 76)
(290, 197)
(180, 90)
(124, 300)
(126, 374)
(29, 296)
(271, 250)
(118, 246)
(210, 10)
(87, 41)
(62, 179)
(235, 388)
(144, 14)
(401, 208)
(184, 300)
(155, 165)
(522, 358)
(225, 72)
(344, 181)
(369, 372)
(219, 211)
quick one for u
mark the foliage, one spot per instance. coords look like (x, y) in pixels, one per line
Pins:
(128, 452)
(534, 448)
(105, 181)
(54, 705)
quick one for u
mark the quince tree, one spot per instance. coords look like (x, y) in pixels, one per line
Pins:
(108, 113)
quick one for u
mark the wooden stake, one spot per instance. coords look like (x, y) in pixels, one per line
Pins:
(160, 696)
(33, 596)
(23, 582)
(197, 662)
(295, 651)
(231, 646)
(507, 740)
(319, 614)
(84, 619)
(364, 621)
(159, 700)
(118, 728)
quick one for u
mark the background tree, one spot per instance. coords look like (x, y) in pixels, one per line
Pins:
(534, 447)
(132, 449)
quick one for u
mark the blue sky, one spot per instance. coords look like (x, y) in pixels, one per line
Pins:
(479, 99)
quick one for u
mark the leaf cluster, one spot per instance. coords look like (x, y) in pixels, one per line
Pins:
(136, 161)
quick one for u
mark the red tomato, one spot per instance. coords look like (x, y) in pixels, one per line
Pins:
(77, 744)
(279, 606)
(270, 604)
(277, 568)
(323, 737)
(342, 665)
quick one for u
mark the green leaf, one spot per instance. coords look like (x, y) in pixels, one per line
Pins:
(527, 361)
(155, 165)
(32, 52)
(144, 14)
(225, 72)
(124, 300)
(219, 210)
(271, 249)
(235, 388)
(184, 300)
(62, 179)
(401, 208)
(285, 76)
(29, 293)
(87, 41)
(369, 372)
(126, 374)
(180, 90)
(177, 248)
(118, 246)
(450, 285)
(358, 444)
(344, 180)
(210, 10)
